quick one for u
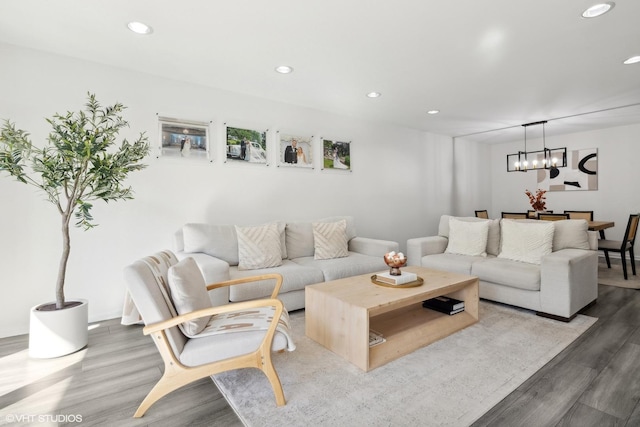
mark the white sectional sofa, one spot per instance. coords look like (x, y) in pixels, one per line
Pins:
(550, 267)
(216, 250)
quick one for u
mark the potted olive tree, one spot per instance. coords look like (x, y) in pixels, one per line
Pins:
(78, 165)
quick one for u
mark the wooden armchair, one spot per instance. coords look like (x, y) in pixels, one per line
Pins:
(187, 359)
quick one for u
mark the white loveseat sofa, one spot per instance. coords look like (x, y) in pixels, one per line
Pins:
(216, 250)
(550, 267)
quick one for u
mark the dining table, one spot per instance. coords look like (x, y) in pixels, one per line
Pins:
(600, 226)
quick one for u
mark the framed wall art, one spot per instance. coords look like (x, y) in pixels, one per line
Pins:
(186, 139)
(295, 150)
(246, 145)
(336, 154)
(580, 174)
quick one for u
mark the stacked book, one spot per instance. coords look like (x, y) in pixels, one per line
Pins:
(444, 304)
(402, 279)
(375, 338)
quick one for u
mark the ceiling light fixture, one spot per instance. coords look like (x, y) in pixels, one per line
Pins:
(598, 9)
(433, 111)
(284, 69)
(139, 28)
(632, 60)
(374, 94)
(547, 158)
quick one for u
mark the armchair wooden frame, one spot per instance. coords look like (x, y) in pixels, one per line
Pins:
(177, 375)
(482, 214)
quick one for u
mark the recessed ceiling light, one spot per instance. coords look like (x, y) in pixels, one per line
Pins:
(284, 69)
(374, 94)
(139, 27)
(598, 9)
(632, 60)
(433, 111)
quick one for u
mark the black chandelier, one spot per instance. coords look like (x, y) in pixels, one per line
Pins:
(547, 158)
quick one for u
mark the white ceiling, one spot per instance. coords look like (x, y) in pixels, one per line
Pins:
(486, 65)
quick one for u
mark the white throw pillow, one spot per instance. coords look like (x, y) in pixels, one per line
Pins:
(526, 241)
(259, 246)
(467, 237)
(571, 233)
(330, 240)
(189, 293)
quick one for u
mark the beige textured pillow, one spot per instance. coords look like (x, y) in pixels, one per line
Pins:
(468, 238)
(259, 246)
(526, 241)
(189, 293)
(330, 240)
(571, 233)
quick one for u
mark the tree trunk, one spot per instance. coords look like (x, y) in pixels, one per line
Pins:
(62, 269)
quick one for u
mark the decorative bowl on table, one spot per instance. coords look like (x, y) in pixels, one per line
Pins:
(395, 261)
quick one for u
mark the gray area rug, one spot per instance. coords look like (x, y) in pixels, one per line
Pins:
(449, 383)
(614, 276)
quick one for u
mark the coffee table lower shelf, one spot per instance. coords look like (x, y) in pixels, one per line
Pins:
(410, 328)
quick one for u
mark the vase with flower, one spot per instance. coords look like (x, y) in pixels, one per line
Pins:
(538, 200)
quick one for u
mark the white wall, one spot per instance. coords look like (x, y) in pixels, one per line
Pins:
(390, 165)
(616, 197)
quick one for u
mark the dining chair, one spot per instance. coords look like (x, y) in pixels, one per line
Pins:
(622, 246)
(514, 215)
(534, 214)
(552, 216)
(482, 214)
(588, 215)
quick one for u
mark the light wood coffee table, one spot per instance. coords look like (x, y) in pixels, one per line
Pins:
(339, 314)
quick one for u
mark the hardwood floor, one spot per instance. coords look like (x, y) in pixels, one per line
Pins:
(593, 382)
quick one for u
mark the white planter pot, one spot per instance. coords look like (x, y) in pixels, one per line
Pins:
(57, 333)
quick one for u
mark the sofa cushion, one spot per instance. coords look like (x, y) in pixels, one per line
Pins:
(258, 246)
(571, 234)
(330, 239)
(467, 237)
(189, 293)
(493, 237)
(294, 277)
(526, 241)
(299, 236)
(451, 262)
(219, 241)
(339, 268)
(509, 273)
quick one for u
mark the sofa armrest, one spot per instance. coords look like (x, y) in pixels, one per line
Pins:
(213, 270)
(568, 281)
(373, 247)
(421, 246)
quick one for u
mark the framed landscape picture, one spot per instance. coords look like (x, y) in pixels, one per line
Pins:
(336, 154)
(185, 139)
(295, 150)
(246, 145)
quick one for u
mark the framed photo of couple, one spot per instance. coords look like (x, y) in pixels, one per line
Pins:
(295, 150)
(245, 145)
(184, 139)
(336, 154)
